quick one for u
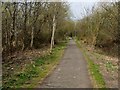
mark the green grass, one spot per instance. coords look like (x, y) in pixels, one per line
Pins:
(110, 66)
(97, 78)
(94, 70)
(37, 71)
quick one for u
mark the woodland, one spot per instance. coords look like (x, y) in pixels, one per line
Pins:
(32, 30)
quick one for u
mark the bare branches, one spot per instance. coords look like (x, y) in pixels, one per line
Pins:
(100, 26)
(28, 25)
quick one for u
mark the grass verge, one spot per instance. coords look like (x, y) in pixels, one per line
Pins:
(34, 73)
(96, 76)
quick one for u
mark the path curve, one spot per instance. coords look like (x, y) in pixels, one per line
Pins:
(71, 72)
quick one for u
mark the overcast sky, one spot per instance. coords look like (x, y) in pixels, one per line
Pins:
(78, 8)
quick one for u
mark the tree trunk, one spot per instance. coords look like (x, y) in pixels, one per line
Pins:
(25, 27)
(32, 37)
(53, 33)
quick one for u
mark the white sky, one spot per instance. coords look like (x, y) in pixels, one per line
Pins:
(77, 7)
(81, 0)
(88, 0)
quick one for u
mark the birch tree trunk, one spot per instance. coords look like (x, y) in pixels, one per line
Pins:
(53, 33)
(32, 37)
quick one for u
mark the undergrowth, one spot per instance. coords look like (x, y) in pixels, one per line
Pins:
(34, 73)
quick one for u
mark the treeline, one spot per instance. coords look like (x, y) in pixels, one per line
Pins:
(28, 25)
(99, 28)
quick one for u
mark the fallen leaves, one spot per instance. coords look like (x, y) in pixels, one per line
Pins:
(19, 60)
(108, 66)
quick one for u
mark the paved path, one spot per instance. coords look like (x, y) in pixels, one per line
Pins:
(71, 72)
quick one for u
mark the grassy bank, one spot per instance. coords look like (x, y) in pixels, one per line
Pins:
(96, 76)
(34, 73)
